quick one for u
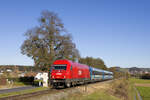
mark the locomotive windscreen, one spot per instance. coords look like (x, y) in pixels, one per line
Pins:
(59, 67)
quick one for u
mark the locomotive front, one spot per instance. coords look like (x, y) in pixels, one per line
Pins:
(60, 73)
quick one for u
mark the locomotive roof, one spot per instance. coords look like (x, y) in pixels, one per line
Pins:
(68, 61)
(96, 69)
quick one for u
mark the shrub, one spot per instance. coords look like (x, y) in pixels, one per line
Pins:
(3, 81)
(145, 76)
(120, 88)
(26, 79)
(13, 79)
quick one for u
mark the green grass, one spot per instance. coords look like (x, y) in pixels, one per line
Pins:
(136, 80)
(15, 84)
(22, 92)
(19, 84)
(131, 92)
(99, 95)
(144, 92)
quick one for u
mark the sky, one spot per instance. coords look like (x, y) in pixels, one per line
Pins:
(117, 31)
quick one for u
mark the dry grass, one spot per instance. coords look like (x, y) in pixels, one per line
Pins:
(96, 91)
(120, 88)
(90, 88)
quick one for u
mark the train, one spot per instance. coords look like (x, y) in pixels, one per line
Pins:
(68, 73)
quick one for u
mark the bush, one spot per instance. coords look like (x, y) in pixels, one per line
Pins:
(13, 79)
(120, 88)
(145, 76)
(3, 81)
(26, 79)
(36, 82)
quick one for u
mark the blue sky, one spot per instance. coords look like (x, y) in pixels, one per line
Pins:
(115, 30)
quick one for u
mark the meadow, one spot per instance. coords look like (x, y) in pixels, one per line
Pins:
(137, 80)
(143, 87)
(144, 92)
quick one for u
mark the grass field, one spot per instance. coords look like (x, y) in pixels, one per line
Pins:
(99, 95)
(14, 85)
(143, 90)
(115, 90)
(22, 92)
(131, 92)
(142, 81)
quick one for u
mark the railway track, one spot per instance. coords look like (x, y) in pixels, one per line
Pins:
(28, 95)
(23, 96)
(44, 92)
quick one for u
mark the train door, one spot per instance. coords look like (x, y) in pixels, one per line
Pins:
(71, 72)
(103, 77)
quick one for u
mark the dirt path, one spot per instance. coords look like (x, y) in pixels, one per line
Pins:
(142, 84)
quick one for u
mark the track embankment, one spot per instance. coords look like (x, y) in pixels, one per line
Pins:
(57, 94)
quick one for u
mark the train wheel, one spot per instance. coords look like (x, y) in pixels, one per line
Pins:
(68, 84)
(54, 87)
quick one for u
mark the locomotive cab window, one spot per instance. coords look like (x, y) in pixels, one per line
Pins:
(59, 67)
(71, 67)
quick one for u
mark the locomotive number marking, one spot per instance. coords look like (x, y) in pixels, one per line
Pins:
(79, 72)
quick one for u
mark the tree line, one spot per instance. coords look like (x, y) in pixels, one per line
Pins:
(94, 62)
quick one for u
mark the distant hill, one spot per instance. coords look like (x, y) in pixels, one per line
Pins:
(132, 70)
(118, 69)
(136, 70)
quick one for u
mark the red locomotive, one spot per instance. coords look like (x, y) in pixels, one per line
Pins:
(67, 73)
